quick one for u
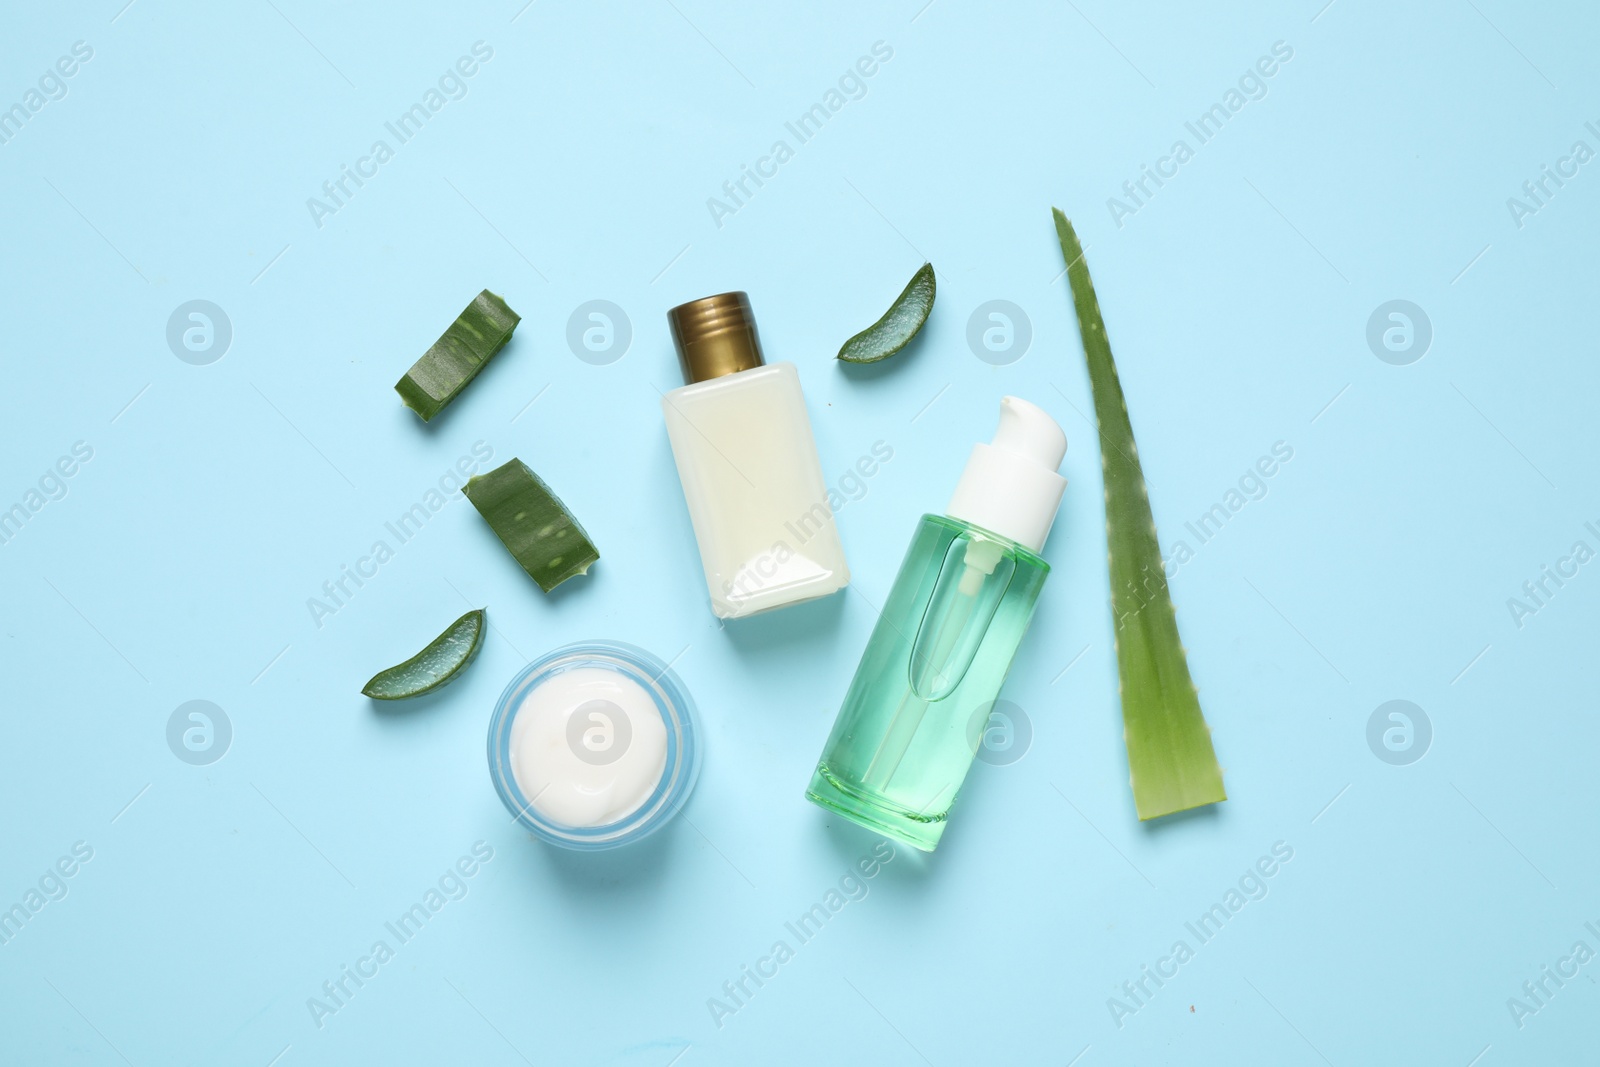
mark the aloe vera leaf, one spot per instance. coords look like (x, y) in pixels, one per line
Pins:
(445, 657)
(899, 324)
(1170, 759)
(458, 355)
(532, 522)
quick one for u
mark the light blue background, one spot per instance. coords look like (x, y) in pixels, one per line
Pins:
(221, 497)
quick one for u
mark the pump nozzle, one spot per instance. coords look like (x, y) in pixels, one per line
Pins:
(1027, 431)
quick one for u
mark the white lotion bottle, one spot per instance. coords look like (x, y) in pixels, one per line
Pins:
(748, 463)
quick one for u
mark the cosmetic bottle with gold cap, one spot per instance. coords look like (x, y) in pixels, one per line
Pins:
(748, 463)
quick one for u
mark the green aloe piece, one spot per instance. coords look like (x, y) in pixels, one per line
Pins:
(458, 355)
(899, 324)
(541, 533)
(1172, 764)
(445, 657)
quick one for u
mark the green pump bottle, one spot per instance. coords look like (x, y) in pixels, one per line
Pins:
(916, 710)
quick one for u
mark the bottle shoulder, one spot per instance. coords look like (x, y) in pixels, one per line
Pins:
(960, 527)
(769, 376)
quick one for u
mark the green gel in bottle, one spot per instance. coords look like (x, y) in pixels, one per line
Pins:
(916, 710)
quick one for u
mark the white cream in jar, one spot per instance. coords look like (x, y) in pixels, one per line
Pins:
(588, 746)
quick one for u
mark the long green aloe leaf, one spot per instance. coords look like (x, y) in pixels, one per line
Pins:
(1170, 759)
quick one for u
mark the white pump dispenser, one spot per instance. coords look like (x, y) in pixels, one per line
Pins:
(1011, 485)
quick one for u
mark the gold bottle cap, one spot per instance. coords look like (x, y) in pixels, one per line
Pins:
(715, 335)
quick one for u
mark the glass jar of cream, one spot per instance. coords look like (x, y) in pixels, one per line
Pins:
(594, 745)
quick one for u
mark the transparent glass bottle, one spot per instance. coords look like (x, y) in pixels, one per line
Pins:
(915, 713)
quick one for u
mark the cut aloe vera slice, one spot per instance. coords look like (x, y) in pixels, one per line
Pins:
(445, 657)
(899, 324)
(458, 355)
(532, 522)
(1170, 757)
